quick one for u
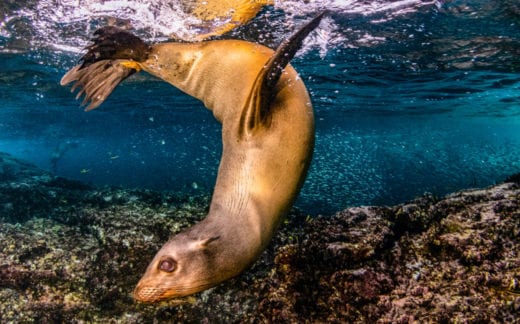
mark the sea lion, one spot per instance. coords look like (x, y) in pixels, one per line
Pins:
(232, 13)
(267, 134)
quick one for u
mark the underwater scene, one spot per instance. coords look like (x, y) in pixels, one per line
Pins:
(409, 97)
(414, 101)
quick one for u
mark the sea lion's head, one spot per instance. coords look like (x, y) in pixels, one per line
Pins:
(183, 266)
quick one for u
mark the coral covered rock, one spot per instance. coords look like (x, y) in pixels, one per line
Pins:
(72, 252)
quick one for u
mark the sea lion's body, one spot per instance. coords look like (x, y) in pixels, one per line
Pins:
(266, 154)
(260, 174)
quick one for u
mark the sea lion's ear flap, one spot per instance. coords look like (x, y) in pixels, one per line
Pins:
(256, 112)
(204, 243)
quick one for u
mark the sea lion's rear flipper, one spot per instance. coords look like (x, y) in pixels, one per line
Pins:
(256, 112)
(97, 80)
(113, 56)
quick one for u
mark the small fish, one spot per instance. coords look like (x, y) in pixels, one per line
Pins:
(83, 171)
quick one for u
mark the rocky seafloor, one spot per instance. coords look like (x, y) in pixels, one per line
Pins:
(73, 253)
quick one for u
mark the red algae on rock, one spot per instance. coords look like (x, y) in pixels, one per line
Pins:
(73, 253)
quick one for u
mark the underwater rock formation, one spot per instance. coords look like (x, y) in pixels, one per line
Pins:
(73, 252)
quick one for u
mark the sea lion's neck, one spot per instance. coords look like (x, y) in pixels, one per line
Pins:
(224, 221)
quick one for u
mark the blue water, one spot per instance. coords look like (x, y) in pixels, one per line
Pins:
(435, 107)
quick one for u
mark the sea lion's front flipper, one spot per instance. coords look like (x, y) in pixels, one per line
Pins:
(256, 112)
(113, 56)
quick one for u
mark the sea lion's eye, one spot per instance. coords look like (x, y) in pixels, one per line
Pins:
(168, 265)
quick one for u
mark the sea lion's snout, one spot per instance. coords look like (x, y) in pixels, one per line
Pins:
(149, 293)
(144, 292)
(158, 283)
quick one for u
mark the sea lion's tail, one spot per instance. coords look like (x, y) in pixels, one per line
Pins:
(113, 56)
